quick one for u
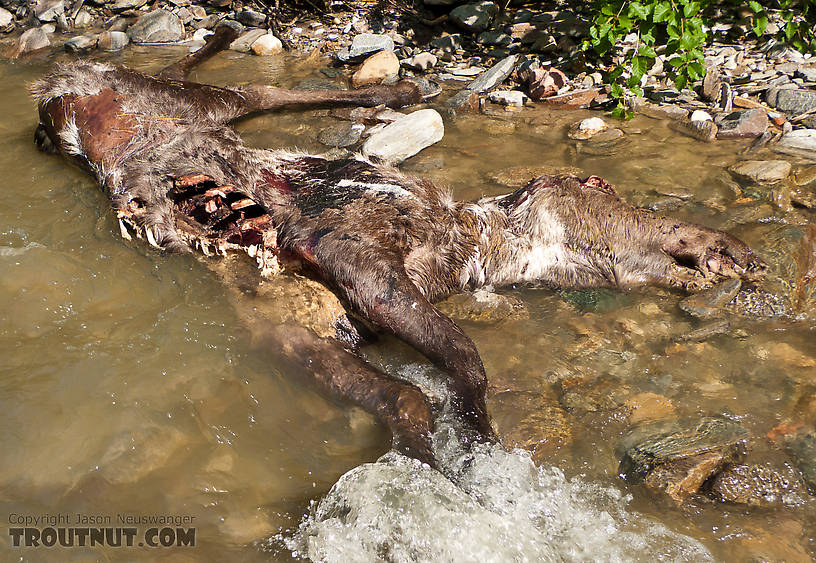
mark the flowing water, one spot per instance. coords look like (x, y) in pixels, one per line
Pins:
(128, 385)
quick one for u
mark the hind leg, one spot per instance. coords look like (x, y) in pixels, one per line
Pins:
(375, 283)
(400, 406)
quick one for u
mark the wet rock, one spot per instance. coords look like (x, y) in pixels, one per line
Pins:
(83, 19)
(798, 141)
(659, 111)
(700, 115)
(6, 18)
(250, 18)
(743, 123)
(81, 43)
(494, 76)
(365, 44)
(134, 455)
(803, 451)
(31, 40)
(48, 10)
(758, 303)
(121, 5)
(762, 171)
(267, 44)
(758, 485)
(447, 43)
(474, 17)
(519, 175)
(406, 137)
(421, 61)
(112, 40)
(464, 101)
(576, 99)
(341, 135)
(710, 302)
(587, 128)
(684, 477)
(376, 68)
(508, 98)
(158, 26)
(531, 421)
(243, 44)
(702, 130)
(795, 102)
(711, 84)
(544, 83)
(649, 406)
(715, 328)
(482, 306)
(687, 452)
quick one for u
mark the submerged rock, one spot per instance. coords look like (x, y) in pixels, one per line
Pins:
(762, 171)
(341, 135)
(758, 485)
(710, 302)
(404, 138)
(700, 129)
(692, 446)
(803, 451)
(482, 306)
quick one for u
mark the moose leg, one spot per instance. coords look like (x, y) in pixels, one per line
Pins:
(220, 40)
(377, 286)
(400, 406)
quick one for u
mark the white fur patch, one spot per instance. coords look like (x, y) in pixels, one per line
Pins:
(390, 189)
(71, 139)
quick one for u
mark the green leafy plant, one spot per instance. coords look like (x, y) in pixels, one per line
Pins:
(674, 25)
(799, 16)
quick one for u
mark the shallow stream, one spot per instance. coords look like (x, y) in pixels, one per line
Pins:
(128, 386)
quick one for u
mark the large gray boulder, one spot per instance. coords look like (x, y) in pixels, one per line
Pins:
(405, 137)
(158, 26)
(474, 17)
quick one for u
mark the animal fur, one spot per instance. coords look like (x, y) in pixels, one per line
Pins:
(387, 243)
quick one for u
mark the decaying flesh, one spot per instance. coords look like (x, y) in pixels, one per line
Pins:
(387, 244)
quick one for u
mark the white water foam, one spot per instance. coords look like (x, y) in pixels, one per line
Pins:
(494, 505)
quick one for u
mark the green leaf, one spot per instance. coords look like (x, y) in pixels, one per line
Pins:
(646, 51)
(680, 81)
(755, 6)
(673, 31)
(676, 62)
(662, 11)
(617, 90)
(691, 8)
(639, 67)
(760, 24)
(638, 10)
(790, 30)
(637, 90)
(695, 71)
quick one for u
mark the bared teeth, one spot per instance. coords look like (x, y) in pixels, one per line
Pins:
(242, 203)
(151, 238)
(124, 231)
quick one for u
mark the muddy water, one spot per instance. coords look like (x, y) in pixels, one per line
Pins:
(127, 385)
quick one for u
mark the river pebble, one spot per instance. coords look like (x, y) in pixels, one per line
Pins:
(762, 171)
(376, 68)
